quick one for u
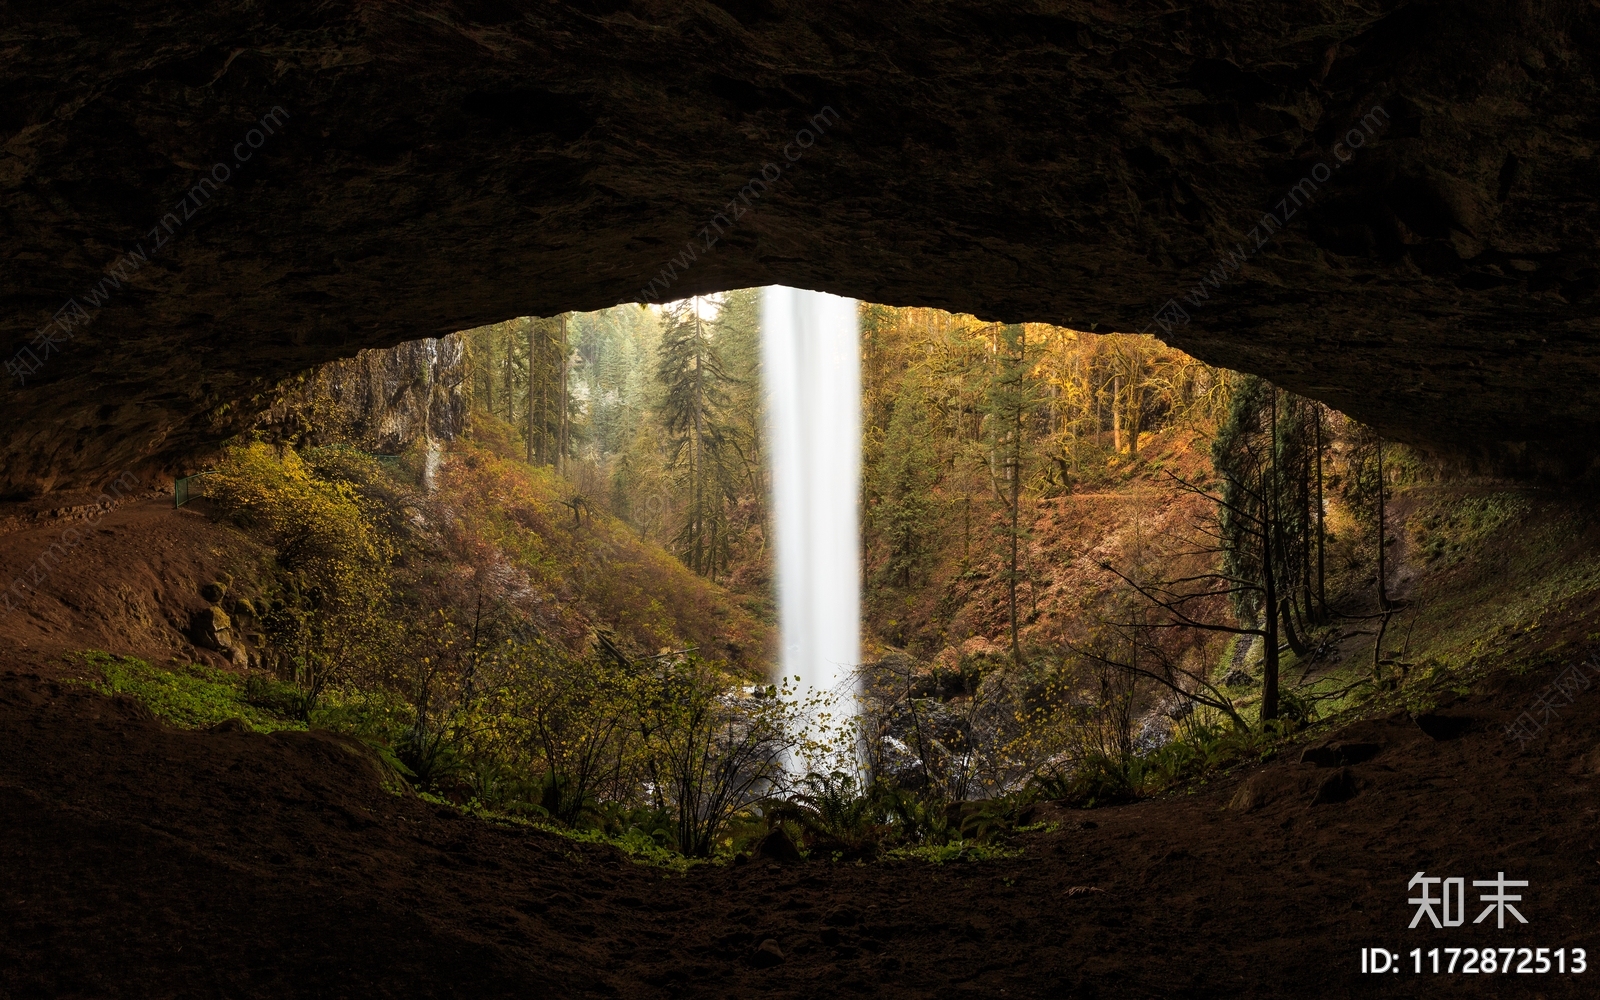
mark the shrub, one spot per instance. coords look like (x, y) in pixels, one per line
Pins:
(330, 615)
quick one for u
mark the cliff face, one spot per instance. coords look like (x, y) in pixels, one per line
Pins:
(382, 401)
(1387, 206)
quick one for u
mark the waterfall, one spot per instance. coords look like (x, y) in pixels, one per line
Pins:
(812, 369)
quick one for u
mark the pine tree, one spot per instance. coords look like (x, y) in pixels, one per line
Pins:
(694, 415)
(902, 481)
(737, 331)
(1014, 393)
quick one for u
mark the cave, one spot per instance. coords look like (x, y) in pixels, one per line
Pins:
(221, 218)
(204, 204)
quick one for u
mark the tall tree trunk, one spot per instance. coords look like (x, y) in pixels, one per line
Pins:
(1322, 592)
(1305, 545)
(510, 392)
(696, 471)
(533, 367)
(1116, 414)
(1383, 583)
(1290, 633)
(544, 396)
(561, 440)
(1016, 492)
(1133, 403)
(1269, 651)
(488, 371)
(1269, 581)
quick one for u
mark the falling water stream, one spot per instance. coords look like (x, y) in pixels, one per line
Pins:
(812, 368)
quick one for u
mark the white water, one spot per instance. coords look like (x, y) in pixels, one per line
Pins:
(811, 364)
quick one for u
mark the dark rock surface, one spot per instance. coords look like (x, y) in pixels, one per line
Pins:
(381, 400)
(436, 166)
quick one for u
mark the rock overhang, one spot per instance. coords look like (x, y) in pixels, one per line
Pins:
(392, 172)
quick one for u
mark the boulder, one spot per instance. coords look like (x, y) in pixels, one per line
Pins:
(212, 629)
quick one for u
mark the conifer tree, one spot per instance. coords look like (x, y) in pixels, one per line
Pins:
(694, 415)
(1014, 393)
(737, 331)
(902, 481)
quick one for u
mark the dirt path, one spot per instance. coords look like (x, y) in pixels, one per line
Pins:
(139, 861)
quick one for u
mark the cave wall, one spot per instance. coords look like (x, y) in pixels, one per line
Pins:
(383, 400)
(203, 200)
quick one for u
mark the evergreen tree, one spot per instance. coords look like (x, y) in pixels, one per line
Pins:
(737, 331)
(694, 415)
(902, 482)
(1013, 395)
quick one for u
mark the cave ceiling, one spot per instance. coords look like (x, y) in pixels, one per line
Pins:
(249, 189)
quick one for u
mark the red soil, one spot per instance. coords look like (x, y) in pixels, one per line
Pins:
(140, 861)
(127, 580)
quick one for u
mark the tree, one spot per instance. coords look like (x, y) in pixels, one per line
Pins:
(905, 474)
(1012, 397)
(710, 754)
(737, 333)
(693, 413)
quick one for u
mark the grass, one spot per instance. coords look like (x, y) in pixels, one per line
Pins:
(639, 846)
(956, 850)
(190, 696)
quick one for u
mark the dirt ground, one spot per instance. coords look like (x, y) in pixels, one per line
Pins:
(138, 860)
(125, 579)
(141, 861)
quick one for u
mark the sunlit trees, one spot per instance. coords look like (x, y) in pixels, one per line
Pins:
(737, 335)
(330, 617)
(1013, 396)
(1263, 536)
(901, 482)
(521, 372)
(694, 414)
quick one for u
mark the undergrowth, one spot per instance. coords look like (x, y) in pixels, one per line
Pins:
(191, 696)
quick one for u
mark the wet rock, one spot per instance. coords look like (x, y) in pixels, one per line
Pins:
(1239, 678)
(1178, 708)
(767, 955)
(382, 400)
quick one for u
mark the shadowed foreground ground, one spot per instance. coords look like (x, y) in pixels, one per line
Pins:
(137, 860)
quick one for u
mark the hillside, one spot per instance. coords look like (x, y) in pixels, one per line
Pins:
(143, 861)
(960, 603)
(139, 579)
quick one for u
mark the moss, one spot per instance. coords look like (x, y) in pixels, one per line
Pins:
(956, 850)
(191, 696)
